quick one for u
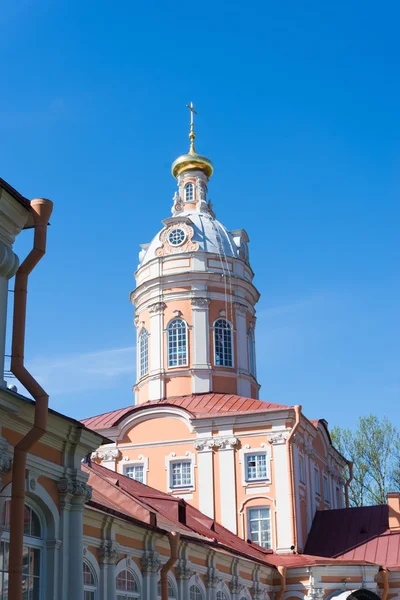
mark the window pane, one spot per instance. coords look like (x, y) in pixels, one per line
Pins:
(35, 562)
(143, 353)
(135, 472)
(35, 524)
(27, 521)
(223, 343)
(25, 561)
(177, 343)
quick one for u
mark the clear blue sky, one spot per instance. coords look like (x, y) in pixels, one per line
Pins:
(299, 110)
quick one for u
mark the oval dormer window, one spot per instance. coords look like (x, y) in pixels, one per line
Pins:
(189, 192)
(176, 236)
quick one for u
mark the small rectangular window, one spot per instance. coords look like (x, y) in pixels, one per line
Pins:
(302, 476)
(181, 473)
(256, 466)
(135, 472)
(259, 525)
(327, 496)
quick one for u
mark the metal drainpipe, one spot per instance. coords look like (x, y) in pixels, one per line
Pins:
(174, 543)
(297, 410)
(346, 485)
(282, 575)
(42, 210)
(385, 579)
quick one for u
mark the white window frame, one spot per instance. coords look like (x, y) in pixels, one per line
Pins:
(32, 542)
(189, 186)
(232, 366)
(141, 460)
(249, 509)
(326, 489)
(172, 458)
(129, 565)
(302, 469)
(143, 373)
(168, 330)
(251, 350)
(262, 449)
(317, 482)
(94, 587)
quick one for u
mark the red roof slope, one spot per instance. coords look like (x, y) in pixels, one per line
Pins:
(360, 533)
(133, 500)
(198, 405)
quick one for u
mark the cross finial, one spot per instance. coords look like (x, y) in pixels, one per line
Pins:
(192, 134)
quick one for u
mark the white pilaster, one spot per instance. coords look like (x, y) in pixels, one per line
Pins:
(281, 470)
(205, 475)
(227, 484)
(156, 384)
(201, 382)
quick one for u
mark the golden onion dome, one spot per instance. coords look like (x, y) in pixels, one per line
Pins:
(192, 160)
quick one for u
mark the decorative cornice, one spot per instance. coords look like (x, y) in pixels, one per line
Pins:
(75, 489)
(151, 562)
(200, 302)
(157, 308)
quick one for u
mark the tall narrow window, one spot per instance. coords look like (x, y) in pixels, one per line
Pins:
(89, 582)
(127, 586)
(327, 495)
(252, 352)
(260, 526)
(31, 553)
(302, 476)
(221, 595)
(143, 353)
(317, 482)
(177, 343)
(195, 593)
(223, 344)
(189, 192)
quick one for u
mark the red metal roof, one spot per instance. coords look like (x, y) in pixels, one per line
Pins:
(198, 405)
(360, 533)
(151, 508)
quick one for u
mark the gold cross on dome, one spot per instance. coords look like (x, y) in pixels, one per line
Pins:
(192, 134)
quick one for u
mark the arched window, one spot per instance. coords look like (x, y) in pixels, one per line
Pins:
(195, 593)
(177, 343)
(89, 582)
(171, 591)
(32, 558)
(127, 586)
(221, 595)
(189, 192)
(251, 351)
(223, 343)
(143, 352)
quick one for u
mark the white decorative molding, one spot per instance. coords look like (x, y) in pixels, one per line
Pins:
(157, 308)
(171, 458)
(200, 302)
(243, 452)
(107, 454)
(278, 438)
(221, 442)
(240, 308)
(72, 488)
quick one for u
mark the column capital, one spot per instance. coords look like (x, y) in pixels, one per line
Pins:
(240, 308)
(8, 261)
(197, 302)
(5, 462)
(183, 569)
(316, 593)
(278, 438)
(236, 586)
(73, 490)
(108, 552)
(151, 562)
(157, 308)
(213, 578)
(107, 454)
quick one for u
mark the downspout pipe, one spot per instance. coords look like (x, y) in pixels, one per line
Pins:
(173, 538)
(348, 482)
(282, 590)
(41, 209)
(292, 491)
(385, 580)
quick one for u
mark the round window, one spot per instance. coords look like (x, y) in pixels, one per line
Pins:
(176, 236)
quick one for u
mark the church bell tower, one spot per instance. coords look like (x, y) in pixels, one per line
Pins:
(194, 297)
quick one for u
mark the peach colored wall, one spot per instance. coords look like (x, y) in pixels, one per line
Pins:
(319, 445)
(92, 531)
(39, 449)
(51, 488)
(130, 542)
(224, 385)
(177, 386)
(160, 429)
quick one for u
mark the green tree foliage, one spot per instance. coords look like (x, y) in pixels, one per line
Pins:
(374, 449)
